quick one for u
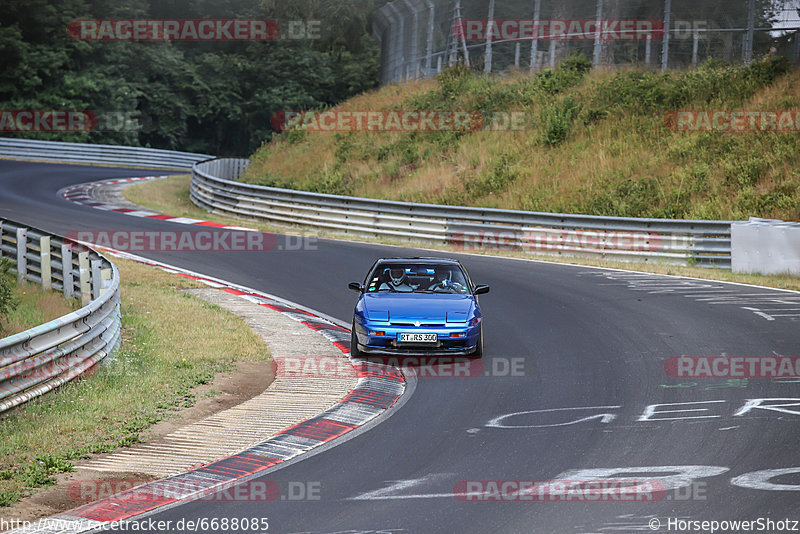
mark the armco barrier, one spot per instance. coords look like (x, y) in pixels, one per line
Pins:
(683, 242)
(42, 358)
(102, 154)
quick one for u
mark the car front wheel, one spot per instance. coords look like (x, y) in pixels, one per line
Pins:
(354, 352)
(478, 353)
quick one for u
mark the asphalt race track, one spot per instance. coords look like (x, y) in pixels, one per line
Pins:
(557, 338)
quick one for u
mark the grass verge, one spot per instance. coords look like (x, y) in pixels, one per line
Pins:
(172, 343)
(171, 196)
(35, 306)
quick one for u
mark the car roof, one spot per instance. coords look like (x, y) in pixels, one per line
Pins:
(419, 260)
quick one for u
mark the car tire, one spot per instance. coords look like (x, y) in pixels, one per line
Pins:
(354, 352)
(478, 352)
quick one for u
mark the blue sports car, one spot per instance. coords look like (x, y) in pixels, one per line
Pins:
(410, 306)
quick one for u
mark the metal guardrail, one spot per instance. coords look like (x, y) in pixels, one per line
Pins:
(104, 154)
(41, 359)
(683, 242)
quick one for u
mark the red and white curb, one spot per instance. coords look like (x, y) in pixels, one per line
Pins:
(83, 194)
(378, 389)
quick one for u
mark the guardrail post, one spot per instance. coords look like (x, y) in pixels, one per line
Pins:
(22, 254)
(106, 274)
(85, 274)
(97, 279)
(1, 239)
(44, 253)
(66, 271)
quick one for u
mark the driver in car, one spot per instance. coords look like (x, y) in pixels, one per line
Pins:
(398, 281)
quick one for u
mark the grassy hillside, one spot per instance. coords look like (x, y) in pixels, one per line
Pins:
(597, 143)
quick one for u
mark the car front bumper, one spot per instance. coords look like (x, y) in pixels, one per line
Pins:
(381, 338)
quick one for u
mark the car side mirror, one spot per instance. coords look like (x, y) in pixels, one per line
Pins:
(481, 290)
(355, 286)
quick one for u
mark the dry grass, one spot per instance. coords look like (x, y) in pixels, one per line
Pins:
(170, 193)
(172, 343)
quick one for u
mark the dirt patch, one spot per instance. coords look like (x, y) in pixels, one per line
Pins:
(74, 489)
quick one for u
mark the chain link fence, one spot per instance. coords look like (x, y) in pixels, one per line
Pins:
(419, 38)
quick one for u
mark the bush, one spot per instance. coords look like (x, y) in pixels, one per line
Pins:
(765, 72)
(452, 81)
(569, 73)
(577, 63)
(333, 182)
(635, 91)
(716, 82)
(7, 282)
(557, 121)
(711, 81)
(502, 175)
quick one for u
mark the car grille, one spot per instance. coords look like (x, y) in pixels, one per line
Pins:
(421, 324)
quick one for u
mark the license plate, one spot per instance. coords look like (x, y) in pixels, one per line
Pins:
(417, 338)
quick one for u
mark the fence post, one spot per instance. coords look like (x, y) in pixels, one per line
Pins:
(431, 24)
(598, 43)
(414, 44)
(66, 271)
(464, 47)
(44, 254)
(84, 277)
(22, 254)
(399, 46)
(751, 24)
(695, 45)
(537, 11)
(487, 65)
(665, 42)
(648, 45)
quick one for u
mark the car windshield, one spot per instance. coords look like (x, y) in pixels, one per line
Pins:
(418, 278)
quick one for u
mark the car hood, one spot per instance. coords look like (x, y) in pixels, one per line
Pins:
(428, 306)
